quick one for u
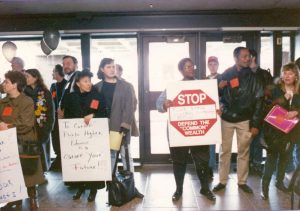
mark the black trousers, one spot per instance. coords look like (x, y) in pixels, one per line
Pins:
(55, 138)
(200, 156)
(277, 158)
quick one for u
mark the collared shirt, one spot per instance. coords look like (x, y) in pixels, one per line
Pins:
(212, 76)
(68, 76)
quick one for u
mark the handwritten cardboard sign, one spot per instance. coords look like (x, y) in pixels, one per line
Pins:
(12, 185)
(85, 151)
(193, 118)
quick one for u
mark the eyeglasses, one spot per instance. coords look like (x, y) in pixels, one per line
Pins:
(188, 67)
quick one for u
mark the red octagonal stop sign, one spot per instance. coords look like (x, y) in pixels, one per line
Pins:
(193, 113)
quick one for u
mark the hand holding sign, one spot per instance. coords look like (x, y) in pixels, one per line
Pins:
(3, 126)
(88, 118)
(167, 104)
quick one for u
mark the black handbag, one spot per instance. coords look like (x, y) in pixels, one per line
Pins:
(29, 157)
(122, 188)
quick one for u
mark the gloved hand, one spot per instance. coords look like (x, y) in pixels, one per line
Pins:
(123, 130)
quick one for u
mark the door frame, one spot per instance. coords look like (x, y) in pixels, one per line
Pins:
(147, 98)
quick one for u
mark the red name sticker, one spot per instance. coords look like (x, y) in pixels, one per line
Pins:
(234, 83)
(53, 94)
(94, 104)
(7, 111)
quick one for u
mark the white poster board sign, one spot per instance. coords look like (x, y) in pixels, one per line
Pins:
(193, 119)
(85, 151)
(12, 185)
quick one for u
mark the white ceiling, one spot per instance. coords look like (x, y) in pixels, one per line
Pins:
(11, 7)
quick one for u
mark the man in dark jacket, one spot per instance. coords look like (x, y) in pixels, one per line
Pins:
(255, 147)
(70, 66)
(241, 104)
(56, 90)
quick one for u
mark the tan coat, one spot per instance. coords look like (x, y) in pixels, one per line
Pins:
(22, 117)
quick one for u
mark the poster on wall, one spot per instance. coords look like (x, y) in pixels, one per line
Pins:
(85, 150)
(12, 185)
(193, 118)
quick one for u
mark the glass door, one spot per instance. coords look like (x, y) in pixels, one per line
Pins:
(161, 55)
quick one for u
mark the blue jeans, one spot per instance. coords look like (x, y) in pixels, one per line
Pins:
(256, 149)
(294, 159)
(212, 156)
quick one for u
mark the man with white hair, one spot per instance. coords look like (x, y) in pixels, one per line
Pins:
(17, 64)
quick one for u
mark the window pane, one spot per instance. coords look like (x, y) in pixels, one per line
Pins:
(158, 125)
(163, 61)
(224, 52)
(33, 56)
(286, 50)
(266, 53)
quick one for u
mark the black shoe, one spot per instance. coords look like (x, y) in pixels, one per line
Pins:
(138, 194)
(245, 188)
(177, 195)
(219, 187)
(280, 186)
(78, 193)
(92, 195)
(208, 194)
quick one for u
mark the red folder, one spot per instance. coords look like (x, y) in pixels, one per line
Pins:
(277, 118)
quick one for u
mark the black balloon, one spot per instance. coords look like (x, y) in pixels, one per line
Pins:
(45, 48)
(51, 38)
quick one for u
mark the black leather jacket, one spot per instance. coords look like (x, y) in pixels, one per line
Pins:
(242, 98)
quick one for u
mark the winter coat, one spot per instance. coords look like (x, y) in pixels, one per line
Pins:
(44, 123)
(242, 98)
(274, 138)
(79, 105)
(122, 110)
(22, 117)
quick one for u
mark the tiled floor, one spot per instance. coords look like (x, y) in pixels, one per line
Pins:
(157, 183)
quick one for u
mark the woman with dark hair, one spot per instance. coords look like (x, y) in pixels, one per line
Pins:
(287, 95)
(200, 154)
(17, 110)
(44, 111)
(56, 90)
(120, 105)
(86, 103)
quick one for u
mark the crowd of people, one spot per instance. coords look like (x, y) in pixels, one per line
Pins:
(246, 94)
(34, 110)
